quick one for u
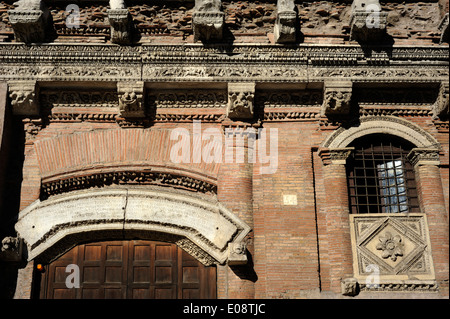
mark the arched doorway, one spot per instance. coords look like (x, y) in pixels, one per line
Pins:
(127, 269)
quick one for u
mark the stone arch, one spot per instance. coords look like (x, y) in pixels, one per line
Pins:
(197, 223)
(390, 125)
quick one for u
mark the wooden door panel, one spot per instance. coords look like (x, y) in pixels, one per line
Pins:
(130, 269)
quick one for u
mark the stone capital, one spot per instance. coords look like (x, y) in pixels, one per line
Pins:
(131, 99)
(24, 96)
(424, 156)
(336, 156)
(241, 100)
(121, 25)
(285, 24)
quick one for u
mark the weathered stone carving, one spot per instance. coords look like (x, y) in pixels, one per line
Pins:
(237, 253)
(29, 20)
(131, 99)
(120, 21)
(368, 23)
(424, 156)
(349, 287)
(286, 23)
(240, 101)
(24, 97)
(440, 108)
(11, 249)
(443, 28)
(336, 156)
(337, 98)
(208, 20)
(392, 247)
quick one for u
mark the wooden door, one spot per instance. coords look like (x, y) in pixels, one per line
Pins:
(133, 269)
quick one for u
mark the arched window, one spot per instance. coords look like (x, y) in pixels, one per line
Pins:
(380, 177)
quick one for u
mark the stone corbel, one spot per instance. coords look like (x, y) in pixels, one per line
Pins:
(443, 28)
(208, 20)
(441, 107)
(337, 98)
(131, 99)
(11, 249)
(237, 253)
(24, 96)
(285, 24)
(240, 101)
(424, 156)
(120, 21)
(336, 156)
(29, 21)
(368, 23)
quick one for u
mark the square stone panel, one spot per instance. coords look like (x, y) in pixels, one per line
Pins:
(396, 245)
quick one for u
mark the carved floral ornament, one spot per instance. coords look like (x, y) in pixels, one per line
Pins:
(390, 245)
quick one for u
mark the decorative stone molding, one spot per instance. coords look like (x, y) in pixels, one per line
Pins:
(286, 22)
(241, 101)
(11, 249)
(440, 108)
(237, 254)
(336, 156)
(424, 156)
(199, 219)
(120, 21)
(24, 96)
(29, 21)
(131, 99)
(368, 23)
(443, 28)
(208, 20)
(389, 248)
(337, 98)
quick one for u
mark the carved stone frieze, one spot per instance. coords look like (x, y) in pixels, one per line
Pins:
(208, 20)
(209, 98)
(285, 30)
(30, 20)
(241, 101)
(440, 108)
(368, 22)
(337, 98)
(24, 97)
(131, 99)
(388, 248)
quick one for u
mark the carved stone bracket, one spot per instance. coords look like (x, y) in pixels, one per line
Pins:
(337, 98)
(29, 21)
(441, 106)
(237, 253)
(241, 101)
(349, 287)
(443, 28)
(368, 23)
(424, 156)
(120, 21)
(11, 249)
(336, 156)
(208, 20)
(24, 97)
(285, 24)
(131, 99)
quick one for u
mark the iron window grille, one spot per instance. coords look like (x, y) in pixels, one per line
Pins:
(380, 177)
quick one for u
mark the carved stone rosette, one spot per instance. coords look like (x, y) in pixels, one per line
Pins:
(240, 101)
(368, 23)
(24, 97)
(285, 24)
(337, 98)
(208, 20)
(121, 25)
(29, 21)
(131, 99)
